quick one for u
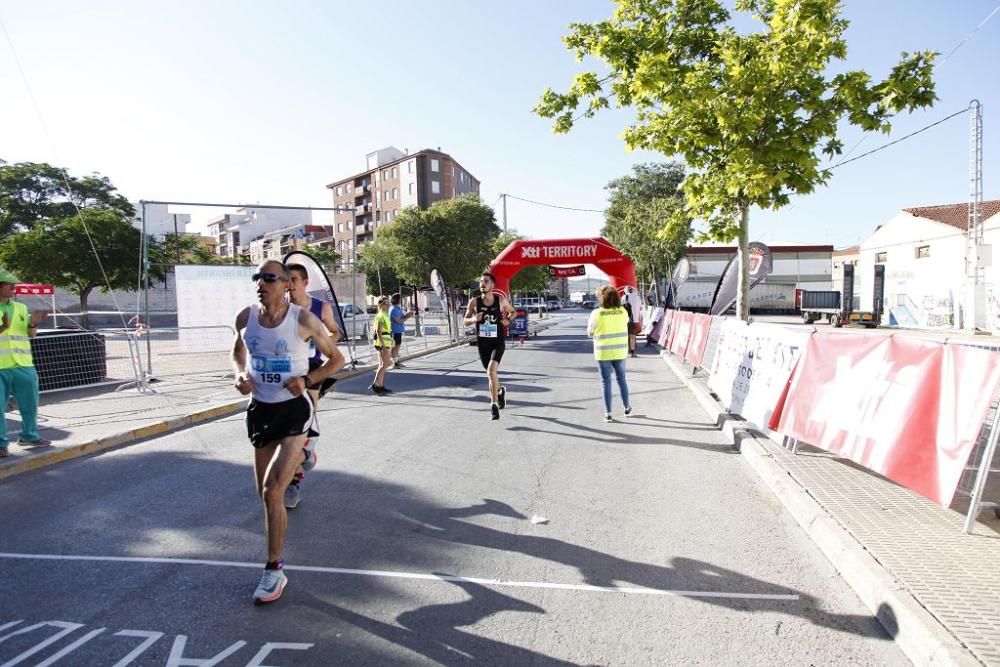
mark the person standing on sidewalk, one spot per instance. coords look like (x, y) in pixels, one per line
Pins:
(398, 318)
(609, 327)
(271, 360)
(490, 312)
(18, 377)
(298, 293)
(383, 345)
(633, 307)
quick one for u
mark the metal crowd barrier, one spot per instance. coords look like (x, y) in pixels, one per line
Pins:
(77, 359)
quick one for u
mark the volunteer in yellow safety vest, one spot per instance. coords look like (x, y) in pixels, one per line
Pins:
(608, 326)
(18, 377)
(383, 345)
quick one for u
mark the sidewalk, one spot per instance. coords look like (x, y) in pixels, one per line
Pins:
(935, 589)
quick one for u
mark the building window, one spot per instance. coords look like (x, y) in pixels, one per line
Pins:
(395, 212)
(395, 172)
(395, 193)
(923, 251)
(435, 165)
(412, 187)
(340, 190)
(436, 186)
(378, 215)
(881, 257)
(341, 246)
(385, 195)
(340, 227)
(388, 217)
(409, 166)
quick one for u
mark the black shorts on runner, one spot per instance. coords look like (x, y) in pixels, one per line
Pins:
(397, 338)
(324, 386)
(270, 422)
(491, 351)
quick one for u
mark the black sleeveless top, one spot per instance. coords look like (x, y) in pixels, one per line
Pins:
(492, 315)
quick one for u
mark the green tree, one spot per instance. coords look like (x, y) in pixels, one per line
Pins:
(752, 113)
(65, 253)
(644, 218)
(176, 249)
(454, 236)
(326, 257)
(35, 193)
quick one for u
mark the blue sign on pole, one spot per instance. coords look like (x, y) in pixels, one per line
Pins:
(519, 325)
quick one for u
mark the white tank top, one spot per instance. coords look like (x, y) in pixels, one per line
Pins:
(275, 355)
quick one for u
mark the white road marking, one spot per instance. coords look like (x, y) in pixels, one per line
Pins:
(414, 575)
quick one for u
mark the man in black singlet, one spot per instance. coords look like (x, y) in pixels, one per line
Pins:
(490, 313)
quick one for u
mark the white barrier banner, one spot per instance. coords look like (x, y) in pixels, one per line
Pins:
(752, 365)
(210, 296)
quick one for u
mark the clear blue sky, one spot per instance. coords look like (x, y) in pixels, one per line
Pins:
(256, 102)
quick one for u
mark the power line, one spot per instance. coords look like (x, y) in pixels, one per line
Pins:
(565, 208)
(969, 36)
(892, 143)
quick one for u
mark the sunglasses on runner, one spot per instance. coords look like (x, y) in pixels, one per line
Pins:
(266, 277)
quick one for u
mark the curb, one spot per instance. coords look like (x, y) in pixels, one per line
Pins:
(36, 461)
(923, 639)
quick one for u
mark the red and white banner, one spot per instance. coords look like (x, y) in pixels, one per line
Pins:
(664, 338)
(908, 409)
(33, 289)
(681, 332)
(700, 326)
(751, 367)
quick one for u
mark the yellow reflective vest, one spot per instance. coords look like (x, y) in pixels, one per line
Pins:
(611, 334)
(15, 345)
(385, 338)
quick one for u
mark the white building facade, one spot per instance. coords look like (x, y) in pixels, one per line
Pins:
(924, 252)
(159, 221)
(234, 232)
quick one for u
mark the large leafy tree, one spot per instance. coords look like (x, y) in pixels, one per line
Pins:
(752, 113)
(35, 193)
(644, 218)
(176, 249)
(96, 249)
(454, 236)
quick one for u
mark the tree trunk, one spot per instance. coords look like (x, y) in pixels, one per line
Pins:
(416, 313)
(84, 295)
(743, 294)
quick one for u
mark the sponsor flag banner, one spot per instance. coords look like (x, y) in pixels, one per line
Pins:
(759, 264)
(700, 326)
(34, 289)
(682, 331)
(751, 366)
(910, 410)
(567, 271)
(320, 286)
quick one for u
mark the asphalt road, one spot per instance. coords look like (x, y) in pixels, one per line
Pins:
(430, 534)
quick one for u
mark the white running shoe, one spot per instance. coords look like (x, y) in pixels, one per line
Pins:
(272, 585)
(292, 496)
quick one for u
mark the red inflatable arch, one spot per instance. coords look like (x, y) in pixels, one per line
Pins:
(598, 252)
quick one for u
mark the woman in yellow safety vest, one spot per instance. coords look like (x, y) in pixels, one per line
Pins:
(383, 345)
(608, 326)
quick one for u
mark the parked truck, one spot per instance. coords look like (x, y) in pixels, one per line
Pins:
(837, 308)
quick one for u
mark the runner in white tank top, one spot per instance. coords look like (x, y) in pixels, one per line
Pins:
(271, 361)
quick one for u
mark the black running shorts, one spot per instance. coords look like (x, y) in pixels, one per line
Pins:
(397, 338)
(491, 351)
(270, 422)
(324, 386)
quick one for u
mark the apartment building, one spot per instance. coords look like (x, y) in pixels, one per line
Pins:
(393, 180)
(159, 220)
(233, 232)
(280, 242)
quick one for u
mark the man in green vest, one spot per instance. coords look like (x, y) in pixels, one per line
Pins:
(18, 377)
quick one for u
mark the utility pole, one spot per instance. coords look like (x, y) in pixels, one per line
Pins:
(976, 253)
(504, 212)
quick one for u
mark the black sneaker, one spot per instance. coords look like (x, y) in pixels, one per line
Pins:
(494, 411)
(502, 397)
(385, 390)
(375, 389)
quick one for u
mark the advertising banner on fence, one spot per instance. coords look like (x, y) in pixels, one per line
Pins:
(681, 332)
(664, 337)
(697, 339)
(908, 409)
(752, 365)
